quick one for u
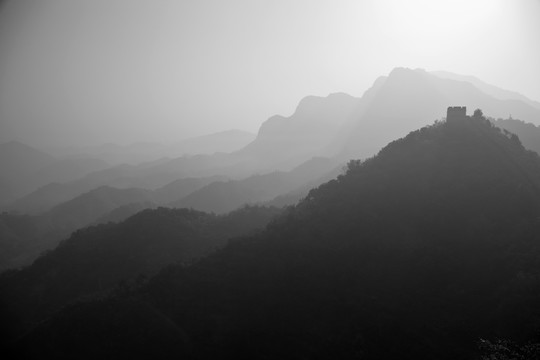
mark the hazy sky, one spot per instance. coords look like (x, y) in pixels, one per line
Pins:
(90, 72)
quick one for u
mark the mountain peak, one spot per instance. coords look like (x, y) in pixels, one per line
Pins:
(312, 103)
(403, 75)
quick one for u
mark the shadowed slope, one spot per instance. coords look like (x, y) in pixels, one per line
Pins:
(92, 261)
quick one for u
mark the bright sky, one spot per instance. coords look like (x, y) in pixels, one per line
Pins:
(88, 72)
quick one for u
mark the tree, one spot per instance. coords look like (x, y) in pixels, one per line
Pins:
(478, 114)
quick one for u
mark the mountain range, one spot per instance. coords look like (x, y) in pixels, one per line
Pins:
(418, 252)
(25, 168)
(21, 245)
(94, 260)
(24, 237)
(338, 126)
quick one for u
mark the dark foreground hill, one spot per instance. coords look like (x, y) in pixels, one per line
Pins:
(416, 253)
(95, 259)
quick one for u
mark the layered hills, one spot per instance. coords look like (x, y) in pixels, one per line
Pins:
(24, 168)
(224, 196)
(408, 99)
(337, 126)
(92, 261)
(22, 244)
(24, 237)
(417, 252)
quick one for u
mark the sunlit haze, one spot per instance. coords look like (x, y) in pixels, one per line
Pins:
(77, 72)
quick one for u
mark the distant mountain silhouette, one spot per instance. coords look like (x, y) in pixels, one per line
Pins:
(489, 89)
(358, 127)
(416, 253)
(105, 203)
(409, 99)
(223, 196)
(296, 195)
(151, 175)
(528, 133)
(123, 212)
(24, 237)
(285, 142)
(87, 208)
(20, 246)
(338, 125)
(25, 168)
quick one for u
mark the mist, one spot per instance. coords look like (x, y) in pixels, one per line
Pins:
(270, 179)
(89, 73)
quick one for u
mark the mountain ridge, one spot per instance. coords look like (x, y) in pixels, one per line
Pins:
(417, 252)
(343, 126)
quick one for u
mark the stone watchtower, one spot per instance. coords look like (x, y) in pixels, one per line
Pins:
(454, 113)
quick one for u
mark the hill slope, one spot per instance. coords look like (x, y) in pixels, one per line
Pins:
(94, 260)
(416, 253)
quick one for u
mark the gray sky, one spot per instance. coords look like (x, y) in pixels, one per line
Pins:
(79, 72)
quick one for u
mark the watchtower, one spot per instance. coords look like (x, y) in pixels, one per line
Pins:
(456, 113)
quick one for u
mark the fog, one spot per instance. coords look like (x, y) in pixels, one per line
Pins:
(270, 179)
(92, 72)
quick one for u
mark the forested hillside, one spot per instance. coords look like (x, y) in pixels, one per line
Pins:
(417, 253)
(96, 259)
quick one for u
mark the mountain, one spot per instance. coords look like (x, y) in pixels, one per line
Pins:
(294, 196)
(106, 203)
(285, 142)
(99, 205)
(528, 133)
(407, 99)
(123, 212)
(338, 125)
(24, 237)
(150, 175)
(223, 196)
(25, 168)
(94, 260)
(415, 253)
(489, 89)
(87, 208)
